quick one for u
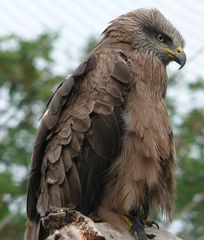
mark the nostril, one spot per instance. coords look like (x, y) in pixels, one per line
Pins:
(179, 50)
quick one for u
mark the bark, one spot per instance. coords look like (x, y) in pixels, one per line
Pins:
(65, 224)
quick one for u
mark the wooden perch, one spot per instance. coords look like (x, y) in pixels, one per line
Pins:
(66, 224)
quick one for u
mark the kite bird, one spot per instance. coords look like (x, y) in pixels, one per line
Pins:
(105, 144)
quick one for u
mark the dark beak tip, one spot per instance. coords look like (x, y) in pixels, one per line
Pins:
(181, 66)
(181, 59)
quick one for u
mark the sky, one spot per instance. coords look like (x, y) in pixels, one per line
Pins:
(77, 20)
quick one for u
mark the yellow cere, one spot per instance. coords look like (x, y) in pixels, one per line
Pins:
(179, 50)
(172, 53)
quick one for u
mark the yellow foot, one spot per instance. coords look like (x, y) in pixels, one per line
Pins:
(127, 221)
(136, 226)
(123, 222)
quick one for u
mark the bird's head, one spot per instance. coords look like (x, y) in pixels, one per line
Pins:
(149, 31)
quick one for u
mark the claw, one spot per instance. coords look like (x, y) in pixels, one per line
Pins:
(94, 217)
(151, 223)
(137, 227)
(150, 236)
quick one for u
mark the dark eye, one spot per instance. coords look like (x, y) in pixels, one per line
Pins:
(160, 37)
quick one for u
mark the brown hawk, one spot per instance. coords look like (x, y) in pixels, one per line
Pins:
(105, 144)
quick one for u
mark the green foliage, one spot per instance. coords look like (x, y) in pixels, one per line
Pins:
(26, 81)
(189, 137)
(190, 191)
(198, 85)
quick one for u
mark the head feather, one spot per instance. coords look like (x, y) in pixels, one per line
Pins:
(126, 27)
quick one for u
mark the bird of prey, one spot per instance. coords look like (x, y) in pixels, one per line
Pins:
(105, 144)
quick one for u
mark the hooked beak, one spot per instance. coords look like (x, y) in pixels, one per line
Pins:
(178, 55)
(180, 58)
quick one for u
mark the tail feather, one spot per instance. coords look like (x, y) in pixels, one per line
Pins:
(32, 230)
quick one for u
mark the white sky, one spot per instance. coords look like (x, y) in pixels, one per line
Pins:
(77, 20)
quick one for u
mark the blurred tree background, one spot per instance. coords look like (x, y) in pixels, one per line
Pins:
(26, 83)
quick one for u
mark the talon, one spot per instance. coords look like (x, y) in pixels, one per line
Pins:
(95, 217)
(150, 223)
(97, 220)
(151, 236)
(137, 227)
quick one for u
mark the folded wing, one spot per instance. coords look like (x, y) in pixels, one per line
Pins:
(79, 136)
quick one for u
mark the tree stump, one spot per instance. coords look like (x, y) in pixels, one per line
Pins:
(66, 224)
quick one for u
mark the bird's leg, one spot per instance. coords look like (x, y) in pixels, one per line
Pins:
(131, 222)
(144, 216)
(138, 226)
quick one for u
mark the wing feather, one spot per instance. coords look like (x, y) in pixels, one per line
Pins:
(101, 136)
(78, 136)
(66, 158)
(74, 187)
(54, 195)
(66, 192)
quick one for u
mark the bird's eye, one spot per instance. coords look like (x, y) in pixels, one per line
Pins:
(160, 37)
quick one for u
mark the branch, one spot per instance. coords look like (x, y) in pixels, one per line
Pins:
(66, 224)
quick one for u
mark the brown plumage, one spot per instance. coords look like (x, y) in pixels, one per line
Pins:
(105, 143)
